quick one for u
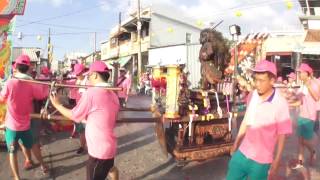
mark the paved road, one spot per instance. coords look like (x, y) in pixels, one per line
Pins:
(139, 157)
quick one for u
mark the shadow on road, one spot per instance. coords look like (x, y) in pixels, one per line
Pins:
(61, 170)
(135, 145)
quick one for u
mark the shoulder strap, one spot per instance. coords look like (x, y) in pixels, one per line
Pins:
(120, 82)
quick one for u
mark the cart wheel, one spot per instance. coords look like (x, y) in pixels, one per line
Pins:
(160, 133)
(181, 163)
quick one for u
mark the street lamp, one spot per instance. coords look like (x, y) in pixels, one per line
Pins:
(235, 31)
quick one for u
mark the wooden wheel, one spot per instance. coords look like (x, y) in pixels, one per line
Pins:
(160, 133)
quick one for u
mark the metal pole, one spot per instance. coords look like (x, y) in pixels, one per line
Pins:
(95, 47)
(119, 29)
(235, 73)
(308, 7)
(139, 42)
(49, 48)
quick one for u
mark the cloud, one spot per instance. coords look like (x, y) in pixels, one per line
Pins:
(257, 15)
(105, 5)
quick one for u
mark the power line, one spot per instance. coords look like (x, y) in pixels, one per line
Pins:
(63, 15)
(68, 27)
(62, 34)
(248, 6)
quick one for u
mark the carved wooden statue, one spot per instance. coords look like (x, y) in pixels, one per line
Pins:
(213, 55)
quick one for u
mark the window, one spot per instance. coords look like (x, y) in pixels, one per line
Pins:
(113, 42)
(188, 38)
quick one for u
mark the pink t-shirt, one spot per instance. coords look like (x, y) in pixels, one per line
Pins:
(270, 119)
(19, 96)
(125, 85)
(99, 108)
(73, 92)
(309, 106)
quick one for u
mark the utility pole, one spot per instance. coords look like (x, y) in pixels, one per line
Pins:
(308, 7)
(116, 64)
(95, 46)
(49, 49)
(139, 24)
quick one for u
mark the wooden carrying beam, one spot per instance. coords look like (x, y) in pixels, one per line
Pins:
(68, 86)
(121, 120)
(135, 109)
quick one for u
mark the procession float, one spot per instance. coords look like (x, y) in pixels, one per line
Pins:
(192, 124)
(197, 123)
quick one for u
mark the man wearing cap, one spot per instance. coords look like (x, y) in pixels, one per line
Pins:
(45, 73)
(308, 95)
(264, 126)
(291, 79)
(98, 108)
(124, 83)
(19, 107)
(79, 70)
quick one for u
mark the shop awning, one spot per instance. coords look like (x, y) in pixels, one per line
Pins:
(311, 48)
(312, 36)
(122, 61)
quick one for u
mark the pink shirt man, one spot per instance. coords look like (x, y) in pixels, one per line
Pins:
(100, 118)
(19, 96)
(265, 120)
(309, 106)
(126, 87)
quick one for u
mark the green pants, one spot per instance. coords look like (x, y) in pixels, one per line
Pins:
(80, 127)
(242, 168)
(305, 128)
(12, 138)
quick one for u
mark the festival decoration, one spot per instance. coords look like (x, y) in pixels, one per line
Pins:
(238, 13)
(289, 4)
(170, 30)
(249, 51)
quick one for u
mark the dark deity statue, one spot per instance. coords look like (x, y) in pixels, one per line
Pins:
(213, 56)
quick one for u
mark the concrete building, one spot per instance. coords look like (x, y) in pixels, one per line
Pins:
(310, 19)
(161, 26)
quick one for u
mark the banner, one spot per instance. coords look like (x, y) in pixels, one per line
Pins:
(12, 7)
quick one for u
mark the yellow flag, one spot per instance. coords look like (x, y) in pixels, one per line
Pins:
(200, 23)
(238, 13)
(289, 4)
(170, 29)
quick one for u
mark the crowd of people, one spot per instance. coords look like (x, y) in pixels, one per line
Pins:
(93, 110)
(256, 153)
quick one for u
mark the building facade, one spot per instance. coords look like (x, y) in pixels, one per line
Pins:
(161, 26)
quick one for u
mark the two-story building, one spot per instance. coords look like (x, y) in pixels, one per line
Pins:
(310, 19)
(161, 26)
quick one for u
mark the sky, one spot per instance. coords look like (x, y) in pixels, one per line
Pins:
(73, 22)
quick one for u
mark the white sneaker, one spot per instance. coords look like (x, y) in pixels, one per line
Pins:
(297, 166)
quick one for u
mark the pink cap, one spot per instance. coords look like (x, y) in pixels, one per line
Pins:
(45, 70)
(23, 59)
(78, 69)
(279, 79)
(305, 68)
(98, 66)
(292, 75)
(265, 66)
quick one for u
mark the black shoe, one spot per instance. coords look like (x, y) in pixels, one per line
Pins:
(80, 150)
